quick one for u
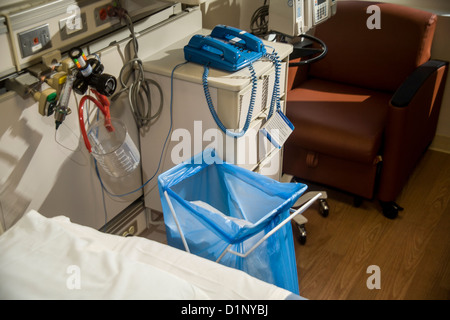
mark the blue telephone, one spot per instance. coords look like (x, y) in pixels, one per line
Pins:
(231, 49)
(226, 48)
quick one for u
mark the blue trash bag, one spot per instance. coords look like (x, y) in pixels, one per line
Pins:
(220, 205)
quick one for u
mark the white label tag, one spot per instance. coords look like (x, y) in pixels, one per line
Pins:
(277, 129)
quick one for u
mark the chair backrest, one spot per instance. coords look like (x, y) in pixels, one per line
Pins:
(374, 58)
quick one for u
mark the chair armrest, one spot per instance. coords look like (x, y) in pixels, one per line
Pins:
(407, 90)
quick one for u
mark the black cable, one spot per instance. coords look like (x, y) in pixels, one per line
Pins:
(259, 23)
(259, 26)
(323, 51)
(139, 95)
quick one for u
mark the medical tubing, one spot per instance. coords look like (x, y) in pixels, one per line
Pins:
(219, 123)
(103, 104)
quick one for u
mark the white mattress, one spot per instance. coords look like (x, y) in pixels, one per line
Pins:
(52, 258)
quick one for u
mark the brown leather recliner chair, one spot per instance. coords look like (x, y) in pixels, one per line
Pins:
(365, 114)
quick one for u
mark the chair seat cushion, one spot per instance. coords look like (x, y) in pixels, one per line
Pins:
(338, 119)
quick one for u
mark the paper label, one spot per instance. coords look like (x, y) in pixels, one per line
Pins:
(277, 129)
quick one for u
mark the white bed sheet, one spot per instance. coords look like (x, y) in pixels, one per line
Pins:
(52, 258)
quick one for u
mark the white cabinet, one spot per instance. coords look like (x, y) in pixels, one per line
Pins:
(185, 126)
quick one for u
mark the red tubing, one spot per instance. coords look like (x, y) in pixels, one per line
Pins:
(102, 103)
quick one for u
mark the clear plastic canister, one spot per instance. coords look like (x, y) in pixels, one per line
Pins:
(114, 150)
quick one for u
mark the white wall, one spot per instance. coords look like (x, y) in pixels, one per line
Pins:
(238, 13)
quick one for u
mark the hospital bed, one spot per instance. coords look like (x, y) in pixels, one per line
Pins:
(53, 258)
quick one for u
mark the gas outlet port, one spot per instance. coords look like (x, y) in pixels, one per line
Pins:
(34, 40)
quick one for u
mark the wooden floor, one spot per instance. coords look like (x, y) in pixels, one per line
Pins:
(412, 251)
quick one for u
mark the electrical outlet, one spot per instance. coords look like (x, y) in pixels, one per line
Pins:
(102, 15)
(70, 27)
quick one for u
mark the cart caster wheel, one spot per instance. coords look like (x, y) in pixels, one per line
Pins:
(302, 236)
(324, 208)
(390, 209)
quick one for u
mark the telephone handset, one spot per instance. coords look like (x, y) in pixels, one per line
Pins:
(226, 48)
(239, 38)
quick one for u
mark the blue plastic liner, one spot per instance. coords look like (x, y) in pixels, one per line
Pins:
(218, 204)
